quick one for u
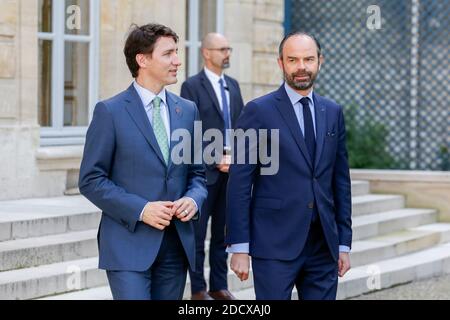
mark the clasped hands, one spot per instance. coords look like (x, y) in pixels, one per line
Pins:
(160, 214)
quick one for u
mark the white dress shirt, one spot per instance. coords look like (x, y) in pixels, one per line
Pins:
(214, 79)
(147, 101)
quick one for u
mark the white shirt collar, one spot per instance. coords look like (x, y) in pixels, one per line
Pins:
(147, 96)
(295, 96)
(214, 78)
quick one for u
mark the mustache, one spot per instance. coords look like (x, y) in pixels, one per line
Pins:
(302, 74)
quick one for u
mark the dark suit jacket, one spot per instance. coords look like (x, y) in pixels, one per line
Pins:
(123, 169)
(198, 89)
(273, 213)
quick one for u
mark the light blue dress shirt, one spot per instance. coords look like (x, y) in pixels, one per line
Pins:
(295, 98)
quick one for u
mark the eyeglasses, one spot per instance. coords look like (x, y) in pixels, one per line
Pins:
(223, 50)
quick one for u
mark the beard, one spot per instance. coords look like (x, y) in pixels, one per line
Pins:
(226, 64)
(304, 84)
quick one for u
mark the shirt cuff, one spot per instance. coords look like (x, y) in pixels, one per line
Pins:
(141, 216)
(238, 248)
(344, 249)
(195, 203)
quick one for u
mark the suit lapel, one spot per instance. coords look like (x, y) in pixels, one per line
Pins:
(176, 116)
(233, 101)
(287, 112)
(210, 90)
(321, 124)
(137, 112)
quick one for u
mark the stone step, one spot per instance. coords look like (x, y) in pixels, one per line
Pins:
(29, 218)
(376, 203)
(98, 293)
(30, 252)
(373, 225)
(388, 247)
(398, 243)
(104, 293)
(75, 245)
(360, 188)
(364, 205)
(431, 262)
(424, 264)
(49, 280)
(42, 217)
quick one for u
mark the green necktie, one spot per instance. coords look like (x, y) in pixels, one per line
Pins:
(160, 129)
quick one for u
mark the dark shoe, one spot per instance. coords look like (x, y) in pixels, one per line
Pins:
(202, 295)
(222, 295)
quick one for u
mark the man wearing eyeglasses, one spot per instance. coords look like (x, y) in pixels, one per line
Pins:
(219, 100)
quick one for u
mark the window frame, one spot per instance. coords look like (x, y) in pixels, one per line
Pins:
(57, 133)
(194, 43)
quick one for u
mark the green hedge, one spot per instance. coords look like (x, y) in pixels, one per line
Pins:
(366, 143)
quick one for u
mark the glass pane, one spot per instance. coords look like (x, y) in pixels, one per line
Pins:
(45, 15)
(208, 17)
(76, 84)
(77, 17)
(45, 83)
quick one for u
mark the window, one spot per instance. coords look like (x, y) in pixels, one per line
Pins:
(203, 16)
(68, 68)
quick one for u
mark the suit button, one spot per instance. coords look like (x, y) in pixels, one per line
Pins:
(311, 205)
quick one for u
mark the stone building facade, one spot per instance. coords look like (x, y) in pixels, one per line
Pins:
(45, 104)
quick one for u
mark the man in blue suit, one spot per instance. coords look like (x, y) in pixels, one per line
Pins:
(295, 224)
(146, 235)
(219, 101)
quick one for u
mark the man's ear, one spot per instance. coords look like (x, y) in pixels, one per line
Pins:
(141, 60)
(321, 61)
(280, 63)
(205, 53)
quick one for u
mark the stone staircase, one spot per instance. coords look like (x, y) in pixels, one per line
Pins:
(48, 248)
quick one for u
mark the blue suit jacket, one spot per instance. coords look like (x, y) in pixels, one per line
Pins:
(273, 213)
(199, 89)
(123, 169)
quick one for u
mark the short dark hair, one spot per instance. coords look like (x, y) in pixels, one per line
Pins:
(142, 39)
(299, 33)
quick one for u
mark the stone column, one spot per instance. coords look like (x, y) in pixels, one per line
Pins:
(267, 35)
(254, 28)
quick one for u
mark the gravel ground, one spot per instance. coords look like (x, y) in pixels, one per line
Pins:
(431, 289)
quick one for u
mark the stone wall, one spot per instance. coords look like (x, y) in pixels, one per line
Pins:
(19, 132)
(116, 19)
(254, 28)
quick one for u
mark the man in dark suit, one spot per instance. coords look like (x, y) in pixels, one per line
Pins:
(295, 224)
(146, 234)
(219, 101)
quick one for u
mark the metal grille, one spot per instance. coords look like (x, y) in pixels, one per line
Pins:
(397, 75)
